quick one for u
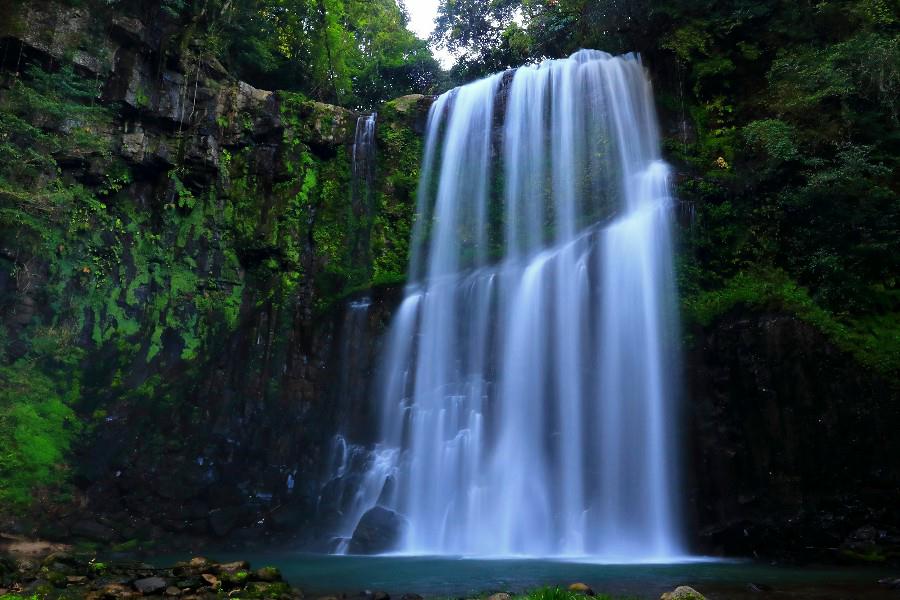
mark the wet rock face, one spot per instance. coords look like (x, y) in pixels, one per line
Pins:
(790, 440)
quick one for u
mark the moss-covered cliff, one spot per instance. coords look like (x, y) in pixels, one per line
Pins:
(173, 244)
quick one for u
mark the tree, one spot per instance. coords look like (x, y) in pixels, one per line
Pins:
(482, 34)
(357, 53)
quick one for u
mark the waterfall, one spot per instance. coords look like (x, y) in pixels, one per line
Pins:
(529, 379)
(362, 189)
(344, 490)
(362, 161)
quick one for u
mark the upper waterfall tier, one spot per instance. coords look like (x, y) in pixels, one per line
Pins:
(553, 144)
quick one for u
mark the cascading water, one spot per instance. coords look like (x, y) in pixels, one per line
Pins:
(529, 377)
(362, 160)
(344, 491)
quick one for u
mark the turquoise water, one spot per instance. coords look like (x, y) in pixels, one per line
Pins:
(460, 577)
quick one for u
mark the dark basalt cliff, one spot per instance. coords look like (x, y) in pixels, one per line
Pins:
(792, 444)
(191, 276)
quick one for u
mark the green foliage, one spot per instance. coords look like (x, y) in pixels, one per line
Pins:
(865, 68)
(37, 423)
(771, 138)
(849, 257)
(400, 147)
(45, 116)
(874, 340)
(560, 593)
(260, 590)
(481, 34)
(350, 52)
(100, 567)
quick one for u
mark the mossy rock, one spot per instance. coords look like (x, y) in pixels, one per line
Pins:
(319, 123)
(56, 578)
(233, 579)
(683, 592)
(262, 589)
(581, 588)
(267, 574)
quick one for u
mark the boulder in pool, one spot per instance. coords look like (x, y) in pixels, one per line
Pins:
(683, 592)
(581, 588)
(378, 531)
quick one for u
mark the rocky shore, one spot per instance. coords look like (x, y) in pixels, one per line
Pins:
(67, 575)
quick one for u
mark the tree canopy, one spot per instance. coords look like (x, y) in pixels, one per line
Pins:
(356, 53)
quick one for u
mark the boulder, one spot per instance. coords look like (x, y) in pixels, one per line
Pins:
(232, 567)
(269, 574)
(93, 531)
(63, 561)
(151, 585)
(683, 592)
(193, 567)
(328, 125)
(377, 532)
(500, 596)
(264, 589)
(116, 591)
(211, 580)
(892, 583)
(223, 520)
(581, 588)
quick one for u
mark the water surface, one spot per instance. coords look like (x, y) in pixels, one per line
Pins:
(460, 577)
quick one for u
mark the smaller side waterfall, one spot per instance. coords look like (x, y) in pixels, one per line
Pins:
(362, 163)
(364, 147)
(352, 479)
(363, 159)
(345, 495)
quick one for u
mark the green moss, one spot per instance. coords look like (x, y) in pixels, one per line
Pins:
(400, 148)
(772, 137)
(873, 340)
(269, 573)
(266, 590)
(235, 579)
(101, 567)
(37, 423)
(873, 556)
